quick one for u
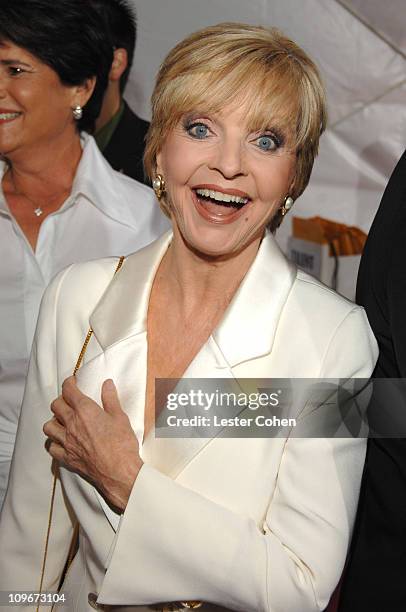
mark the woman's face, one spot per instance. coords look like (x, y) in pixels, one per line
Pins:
(35, 107)
(223, 181)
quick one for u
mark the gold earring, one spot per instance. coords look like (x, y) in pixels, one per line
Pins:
(287, 205)
(158, 185)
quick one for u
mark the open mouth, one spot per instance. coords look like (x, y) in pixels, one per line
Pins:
(222, 199)
(218, 206)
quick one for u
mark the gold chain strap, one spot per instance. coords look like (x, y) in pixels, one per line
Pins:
(178, 607)
(72, 548)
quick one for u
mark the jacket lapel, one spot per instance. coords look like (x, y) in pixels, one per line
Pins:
(119, 324)
(248, 328)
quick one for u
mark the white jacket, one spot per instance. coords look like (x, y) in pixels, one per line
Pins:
(246, 524)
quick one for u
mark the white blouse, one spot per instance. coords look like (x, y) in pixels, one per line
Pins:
(106, 214)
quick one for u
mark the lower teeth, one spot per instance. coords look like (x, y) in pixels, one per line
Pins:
(220, 203)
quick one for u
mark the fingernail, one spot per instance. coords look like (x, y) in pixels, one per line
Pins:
(109, 385)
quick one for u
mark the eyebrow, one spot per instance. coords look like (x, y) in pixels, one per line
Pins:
(9, 62)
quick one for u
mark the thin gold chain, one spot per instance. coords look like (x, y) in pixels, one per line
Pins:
(72, 547)
(51, 509)
(83, 351)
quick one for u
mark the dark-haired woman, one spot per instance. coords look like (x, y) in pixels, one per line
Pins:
(60, 202)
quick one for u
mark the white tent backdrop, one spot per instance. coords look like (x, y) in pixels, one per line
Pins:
(360, 47)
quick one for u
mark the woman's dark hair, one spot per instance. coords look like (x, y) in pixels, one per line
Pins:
(67, 35)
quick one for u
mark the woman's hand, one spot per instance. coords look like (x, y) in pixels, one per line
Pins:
(97, 444)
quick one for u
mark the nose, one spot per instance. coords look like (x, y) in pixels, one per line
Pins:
(229, 158)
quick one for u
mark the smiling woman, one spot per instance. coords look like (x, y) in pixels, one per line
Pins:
(59, 201)
(266, 73)
(39, 112)
(249, 524)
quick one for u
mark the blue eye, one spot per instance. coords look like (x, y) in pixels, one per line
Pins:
(198, 130)
(267, 143)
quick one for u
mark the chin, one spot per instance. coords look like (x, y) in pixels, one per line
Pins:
(216, 244)
(212, 240)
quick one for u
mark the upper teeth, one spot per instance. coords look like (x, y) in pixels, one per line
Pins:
(221, 197)
(8, 115)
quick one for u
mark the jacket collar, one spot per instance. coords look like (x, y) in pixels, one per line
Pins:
(122, 310)
(248, 327)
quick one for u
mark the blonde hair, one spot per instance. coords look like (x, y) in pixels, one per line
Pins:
(233, 61)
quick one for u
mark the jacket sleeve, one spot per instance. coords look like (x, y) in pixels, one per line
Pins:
(24, 517)
(177, 544)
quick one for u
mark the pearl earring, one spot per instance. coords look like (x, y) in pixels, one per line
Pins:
(158, 185)
(287, 205)
(77, 112)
